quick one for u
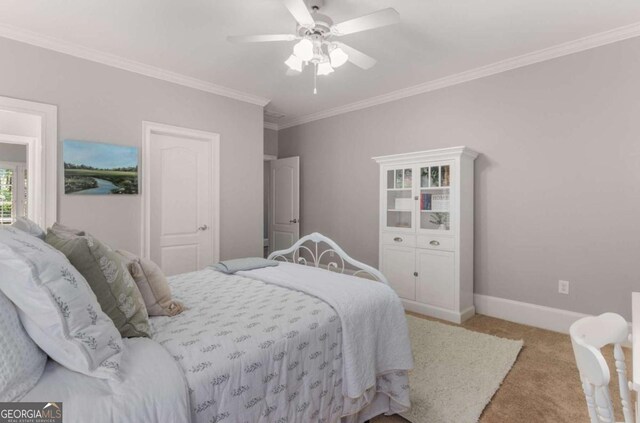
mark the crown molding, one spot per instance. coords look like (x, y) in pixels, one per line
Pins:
(418, 156)
(112, 60)
(271, 125)
(559, 50)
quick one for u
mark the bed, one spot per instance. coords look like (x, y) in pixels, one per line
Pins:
(300, 342)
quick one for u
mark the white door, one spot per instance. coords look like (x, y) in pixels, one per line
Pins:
(285, 203)
(180, 204)
(398, 265)
(435, 284)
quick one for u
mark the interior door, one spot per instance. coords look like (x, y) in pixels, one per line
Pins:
(181, 203)
(285, 203)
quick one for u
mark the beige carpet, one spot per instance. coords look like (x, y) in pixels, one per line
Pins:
(456, 371)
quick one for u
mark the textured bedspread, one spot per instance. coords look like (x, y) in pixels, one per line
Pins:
(254, 352)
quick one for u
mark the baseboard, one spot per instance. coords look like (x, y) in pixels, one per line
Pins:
(437, 312)
(543, 317)
(555, 319)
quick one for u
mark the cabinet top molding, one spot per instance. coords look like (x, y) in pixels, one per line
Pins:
(440, 154)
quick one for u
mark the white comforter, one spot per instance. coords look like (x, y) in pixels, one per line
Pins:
(153, 389)
(375, 337)
(257, 352)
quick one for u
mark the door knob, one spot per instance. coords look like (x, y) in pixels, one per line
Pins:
(293, 221)
(203, 228)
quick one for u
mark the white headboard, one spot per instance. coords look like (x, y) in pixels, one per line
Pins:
(317, 255)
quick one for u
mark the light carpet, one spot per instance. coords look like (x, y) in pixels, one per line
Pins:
(456, 371)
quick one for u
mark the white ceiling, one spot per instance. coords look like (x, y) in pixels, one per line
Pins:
(435, 38)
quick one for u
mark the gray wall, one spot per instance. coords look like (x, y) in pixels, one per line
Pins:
(557, 185)
(12, 152)
(270, 142)
(100, 103)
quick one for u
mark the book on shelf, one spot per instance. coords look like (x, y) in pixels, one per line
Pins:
(425, 201)
(440, 202)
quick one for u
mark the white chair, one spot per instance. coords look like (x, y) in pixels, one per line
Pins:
(588, 336)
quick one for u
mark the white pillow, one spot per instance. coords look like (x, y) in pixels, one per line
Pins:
(21, 361)
(29, 226)
(57, 307)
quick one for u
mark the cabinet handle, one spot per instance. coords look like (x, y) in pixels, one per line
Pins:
(397, 239)
(434, 242)
(415, 273)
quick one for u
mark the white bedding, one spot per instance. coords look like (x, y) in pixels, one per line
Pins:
(256, 352)
(243, 351)
(376, 336)
(153, 389)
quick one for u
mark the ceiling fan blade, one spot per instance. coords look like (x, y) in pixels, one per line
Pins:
(357, 57)
(300, 12)
(260, 38)
(373, 20)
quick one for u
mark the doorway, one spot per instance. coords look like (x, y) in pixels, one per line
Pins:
(28, 161)
(284, 203)
(181, 207)
(14, 179)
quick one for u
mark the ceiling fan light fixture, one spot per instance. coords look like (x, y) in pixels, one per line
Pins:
(304, 49)
(294, 63)
(338, 57)
(325, 68)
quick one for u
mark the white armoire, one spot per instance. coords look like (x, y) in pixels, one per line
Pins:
(426, 230)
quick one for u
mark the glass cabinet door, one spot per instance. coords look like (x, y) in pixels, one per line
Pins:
(435, 197)
(400, 203)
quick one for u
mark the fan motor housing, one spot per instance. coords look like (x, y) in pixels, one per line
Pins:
(322, 27)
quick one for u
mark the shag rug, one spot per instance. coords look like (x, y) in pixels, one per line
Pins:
(456, 371)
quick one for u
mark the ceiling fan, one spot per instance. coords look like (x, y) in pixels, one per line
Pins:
(315, 34)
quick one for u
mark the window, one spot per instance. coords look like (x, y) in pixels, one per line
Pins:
(13, 192)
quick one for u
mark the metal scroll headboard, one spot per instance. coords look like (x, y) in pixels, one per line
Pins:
(315, 257)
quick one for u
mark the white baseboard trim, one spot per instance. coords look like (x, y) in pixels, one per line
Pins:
(437, 312)
(543, 317)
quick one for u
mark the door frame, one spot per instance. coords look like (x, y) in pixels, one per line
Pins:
(42, 159)
(154, 128)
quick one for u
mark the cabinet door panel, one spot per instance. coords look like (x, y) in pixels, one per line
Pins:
(435, 282)
(398, 265)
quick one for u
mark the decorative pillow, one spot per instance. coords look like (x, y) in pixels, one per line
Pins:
(21, 361)
(61, 228)
(153, 285)
(109, 279)
(249, 263)
(57, 307)
(28, 226)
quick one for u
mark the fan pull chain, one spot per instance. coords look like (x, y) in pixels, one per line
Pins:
(315, 79)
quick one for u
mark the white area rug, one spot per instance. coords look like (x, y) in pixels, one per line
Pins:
(456, 371)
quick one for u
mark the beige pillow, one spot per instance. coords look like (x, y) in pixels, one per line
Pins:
(109, 279)
(153, 286)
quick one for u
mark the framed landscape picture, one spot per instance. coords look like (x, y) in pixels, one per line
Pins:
(92, 168)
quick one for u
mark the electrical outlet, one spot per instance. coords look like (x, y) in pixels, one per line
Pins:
(563, 287)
